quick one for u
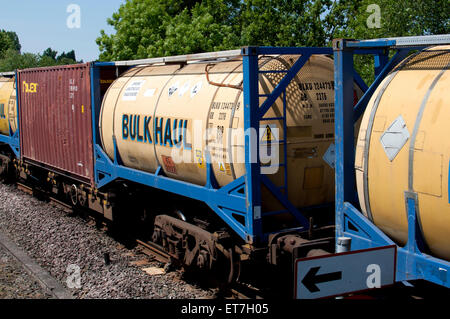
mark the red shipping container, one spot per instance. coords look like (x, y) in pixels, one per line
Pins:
(56, 119)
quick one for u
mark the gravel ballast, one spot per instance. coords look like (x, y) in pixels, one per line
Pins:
(15, 282)
(72, 251)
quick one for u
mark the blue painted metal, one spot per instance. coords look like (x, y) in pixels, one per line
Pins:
(240, 199)
(380, 61)
(398, 42)
(251, 127)
(388, 67)
(13, 139)
(100, 64)
(13, 142)
(343, 79)
(283, 84)
(360, 82)
(412, 263)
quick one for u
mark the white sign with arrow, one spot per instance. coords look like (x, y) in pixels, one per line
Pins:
(338, 274)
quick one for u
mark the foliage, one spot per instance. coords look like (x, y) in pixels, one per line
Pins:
(398, 18)
(206, 33)
(53, 55)
(283, 23)
(13, 59)
(8, 40)
(150, 28)
(348, 19)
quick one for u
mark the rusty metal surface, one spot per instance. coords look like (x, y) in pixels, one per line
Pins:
(154, 250)
(55, 114)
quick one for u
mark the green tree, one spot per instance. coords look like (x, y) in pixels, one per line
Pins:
(398, 18)
(138, 24)
(149, 28)
(11, 58)
(15, 60)
(207, 30)
(50, 53)
(8, 40)
(349, 19)
(66, 56)
(283, 22)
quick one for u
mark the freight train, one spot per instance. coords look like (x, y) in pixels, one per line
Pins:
(224, 160)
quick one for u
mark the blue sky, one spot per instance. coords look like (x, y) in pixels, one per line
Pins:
(43, 23)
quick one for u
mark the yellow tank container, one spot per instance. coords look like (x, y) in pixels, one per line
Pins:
(403, 150)
(8, 110)
(160, 115)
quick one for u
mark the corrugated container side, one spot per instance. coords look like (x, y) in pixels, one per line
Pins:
(56, 119)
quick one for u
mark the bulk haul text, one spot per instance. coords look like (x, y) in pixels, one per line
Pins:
(163, 131)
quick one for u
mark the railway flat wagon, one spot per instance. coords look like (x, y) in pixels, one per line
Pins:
(254, 131)
(97, 132)
(392, 185)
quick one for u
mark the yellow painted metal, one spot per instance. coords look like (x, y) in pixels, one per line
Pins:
(8, 113)
(208, 99)
(426, 173)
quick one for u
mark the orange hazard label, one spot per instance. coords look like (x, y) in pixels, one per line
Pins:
(169, 165)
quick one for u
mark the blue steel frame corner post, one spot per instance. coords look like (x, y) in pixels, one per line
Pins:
(344, 131)
(16, 136)
(12, 139)
(95, 112)
(251, 127)
(380, 61)
(95, 101)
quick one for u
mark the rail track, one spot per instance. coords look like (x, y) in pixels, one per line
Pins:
(150, 249)
(153, 250)
(25, 188)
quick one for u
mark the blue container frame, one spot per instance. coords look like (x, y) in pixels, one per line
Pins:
(13, 139)
(241, 197)
(412, 263)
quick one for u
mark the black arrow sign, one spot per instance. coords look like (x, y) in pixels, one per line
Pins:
(311, 278)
